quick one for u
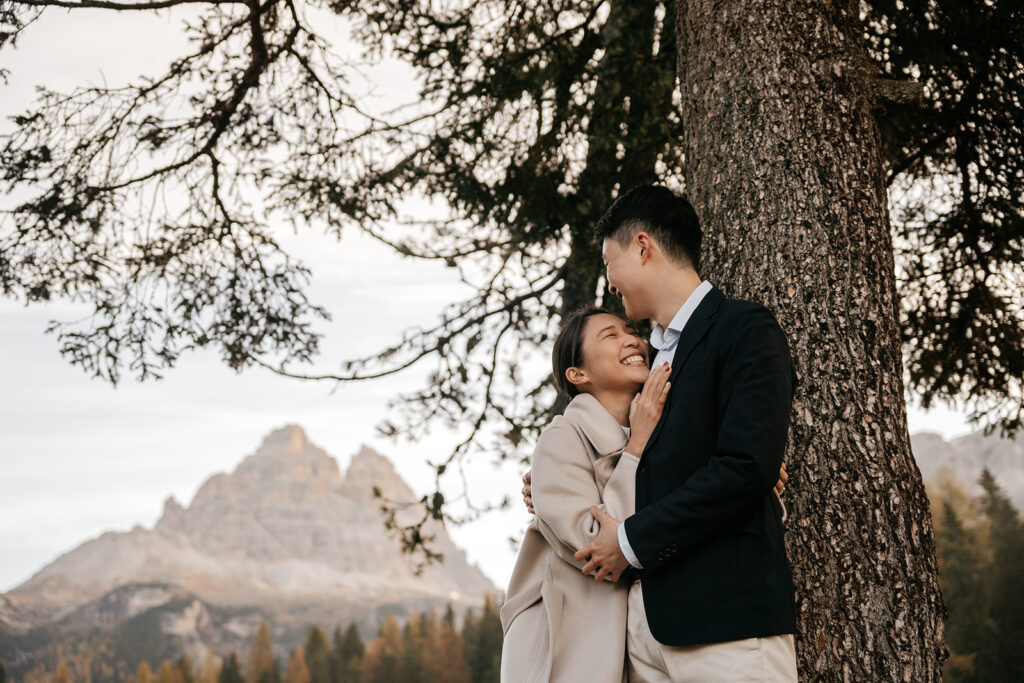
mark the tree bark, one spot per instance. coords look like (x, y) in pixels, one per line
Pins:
(783, 167)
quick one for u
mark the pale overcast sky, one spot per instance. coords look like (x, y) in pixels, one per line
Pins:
(78, 457)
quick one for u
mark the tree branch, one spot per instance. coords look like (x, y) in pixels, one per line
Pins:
(104, 4)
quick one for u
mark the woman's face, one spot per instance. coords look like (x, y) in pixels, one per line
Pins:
(615, 358)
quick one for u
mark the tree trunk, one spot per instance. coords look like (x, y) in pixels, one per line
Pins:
(783, 166)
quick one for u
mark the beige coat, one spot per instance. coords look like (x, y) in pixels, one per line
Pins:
(578, 462)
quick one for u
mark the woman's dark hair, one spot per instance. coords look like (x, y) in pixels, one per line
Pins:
(669, 218)
(568, 351)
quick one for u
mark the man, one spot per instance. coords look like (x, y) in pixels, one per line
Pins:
(713, 596)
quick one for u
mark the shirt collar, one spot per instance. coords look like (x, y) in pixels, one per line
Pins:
(663, 339)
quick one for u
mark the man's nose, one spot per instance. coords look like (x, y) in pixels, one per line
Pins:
(614, 290)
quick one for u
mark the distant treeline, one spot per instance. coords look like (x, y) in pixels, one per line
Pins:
(426, 649)
(980, 546)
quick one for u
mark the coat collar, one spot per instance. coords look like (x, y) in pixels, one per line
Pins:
(595, 423)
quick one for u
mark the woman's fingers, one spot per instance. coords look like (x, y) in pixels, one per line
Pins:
(655, 382)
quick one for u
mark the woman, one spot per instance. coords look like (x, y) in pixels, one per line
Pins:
(586, 456)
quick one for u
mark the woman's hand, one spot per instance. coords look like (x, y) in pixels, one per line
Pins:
(528, 492)
(645, 411)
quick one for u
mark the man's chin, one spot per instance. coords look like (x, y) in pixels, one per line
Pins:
(632, 313)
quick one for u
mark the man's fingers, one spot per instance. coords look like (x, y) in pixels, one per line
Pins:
(527, 477)
(589, 567)
(599, 514)
(584, 553)
(783, 475)
(601, 573)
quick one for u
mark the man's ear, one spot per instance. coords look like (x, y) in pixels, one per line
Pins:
(576, 376)
(646, 245)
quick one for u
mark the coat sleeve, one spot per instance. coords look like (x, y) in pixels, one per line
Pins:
(757, 381)
(564, 488)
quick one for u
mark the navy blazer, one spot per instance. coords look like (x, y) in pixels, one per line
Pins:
(708, 528)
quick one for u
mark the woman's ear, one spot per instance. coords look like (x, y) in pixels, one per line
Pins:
(576, 376)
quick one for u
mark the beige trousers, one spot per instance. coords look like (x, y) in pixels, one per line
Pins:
(753, 660)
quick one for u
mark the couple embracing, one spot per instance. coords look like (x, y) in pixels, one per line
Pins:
(656, 551)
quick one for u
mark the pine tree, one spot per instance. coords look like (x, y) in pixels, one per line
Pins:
(318, 655)
(960, 566)
(1003, 658)
(3, 674)
(144, 674)
(231, 671)
(63, 674)
(168, 674)
(347, 655)
(186, 668)
(414, 648)
(447, 663)
(210, 671)
(381, 659)
(297, 671)
(263, 666)
(482, 640)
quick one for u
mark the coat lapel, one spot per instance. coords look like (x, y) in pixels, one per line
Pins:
(694, 330)
(597, 425)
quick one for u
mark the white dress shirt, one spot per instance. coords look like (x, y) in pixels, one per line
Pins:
(666, 340)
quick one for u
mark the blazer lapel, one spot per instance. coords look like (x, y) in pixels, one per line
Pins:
(694, 330)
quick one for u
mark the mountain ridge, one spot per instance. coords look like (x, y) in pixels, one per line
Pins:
(964, 458)
(286, 536)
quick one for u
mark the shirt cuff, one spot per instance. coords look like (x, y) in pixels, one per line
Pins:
(627, 549)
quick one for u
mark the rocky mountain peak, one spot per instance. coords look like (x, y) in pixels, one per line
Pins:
(286, 464)
(283, 527)
(287, 440)
(369, 469)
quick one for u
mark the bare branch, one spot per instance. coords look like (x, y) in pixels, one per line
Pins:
(120, 6)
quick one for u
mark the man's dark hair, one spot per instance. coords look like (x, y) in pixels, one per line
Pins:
(656, 210)
(568, 351)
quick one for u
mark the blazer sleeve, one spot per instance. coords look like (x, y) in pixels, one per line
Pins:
(757, 381)
(564, 488)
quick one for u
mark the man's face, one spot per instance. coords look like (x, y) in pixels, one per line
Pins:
(624, 274)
